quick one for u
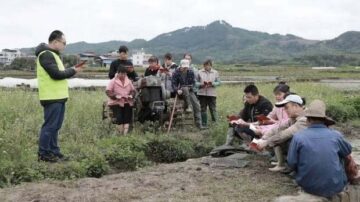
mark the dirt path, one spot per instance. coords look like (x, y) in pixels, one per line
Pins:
(184, 181)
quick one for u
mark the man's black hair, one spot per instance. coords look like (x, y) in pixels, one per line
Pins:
(251, 89)
(168, 56)
(123, 49)
(121, 69)
(153, 59)
(55, 35)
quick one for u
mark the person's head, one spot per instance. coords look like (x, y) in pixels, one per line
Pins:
(251, 94)
(123, 52)
(130, 68)
(281, 91)
(57, 41)
(207, 65)
(184, 64)
(168, 59)
(188, 56)
(153, 61)
(316, 113)
(121, 72)
(293, 105)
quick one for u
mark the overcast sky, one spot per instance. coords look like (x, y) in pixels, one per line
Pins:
(26, 23)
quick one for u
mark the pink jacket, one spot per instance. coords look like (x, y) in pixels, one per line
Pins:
(121, 91)
(278, 115)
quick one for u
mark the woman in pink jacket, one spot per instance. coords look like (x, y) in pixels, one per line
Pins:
(278, 114)
(121, 91)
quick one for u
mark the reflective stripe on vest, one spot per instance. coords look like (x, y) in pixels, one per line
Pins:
(50, 89)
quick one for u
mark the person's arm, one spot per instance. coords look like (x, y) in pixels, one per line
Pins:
(244, 112)
(292, 156)
(217, 81)
(113, 69)
(191, 78)
(110, 90)
(174, 81)
(344, 147)
(49, 64)
(198, 83)
(288, 133)
(266, 108)
(272, 115)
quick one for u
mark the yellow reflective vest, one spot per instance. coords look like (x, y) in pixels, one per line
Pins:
(51, 89)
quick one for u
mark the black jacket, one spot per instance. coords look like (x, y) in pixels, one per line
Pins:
(250, 111)
(48, 62)
(126, 63)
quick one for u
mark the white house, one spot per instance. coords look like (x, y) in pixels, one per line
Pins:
(8, 55)
(140, 58)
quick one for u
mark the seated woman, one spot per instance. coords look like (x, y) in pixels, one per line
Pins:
(278, 114)
(120, 91)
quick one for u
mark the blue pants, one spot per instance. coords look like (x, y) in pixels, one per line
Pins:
(53, 119)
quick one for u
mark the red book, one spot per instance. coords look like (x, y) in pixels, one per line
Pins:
(232, 117)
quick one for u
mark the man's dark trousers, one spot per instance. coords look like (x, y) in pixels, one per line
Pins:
(53, 119)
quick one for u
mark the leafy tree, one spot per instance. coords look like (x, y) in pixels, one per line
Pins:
(23, 63)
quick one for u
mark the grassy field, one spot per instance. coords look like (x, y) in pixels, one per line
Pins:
(95, 148)
(229, 71)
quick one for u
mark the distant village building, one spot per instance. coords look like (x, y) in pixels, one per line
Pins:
(89, 57)
(140, 58)
(106, 59)
(7, 56)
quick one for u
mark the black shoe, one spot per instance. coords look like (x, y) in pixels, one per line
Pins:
(48, 158)
(61, 157)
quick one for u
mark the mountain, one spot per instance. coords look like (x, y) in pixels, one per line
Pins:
(223, 42)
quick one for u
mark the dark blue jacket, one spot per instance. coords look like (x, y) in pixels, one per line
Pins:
(177, 79)
(317, 154)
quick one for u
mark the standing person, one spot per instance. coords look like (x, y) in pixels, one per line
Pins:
(317, 154)
(183, 82)
(123, 61)
(188, 57)
(153, 68)
(121, 91)
(166, 72)
(208, 78)
(53, 94)
(168, 63)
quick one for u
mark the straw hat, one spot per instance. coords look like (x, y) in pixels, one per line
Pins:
(317, 109)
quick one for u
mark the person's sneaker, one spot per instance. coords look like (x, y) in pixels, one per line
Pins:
(274, 163)
(48, 158)
(61, 157)
(277, 168)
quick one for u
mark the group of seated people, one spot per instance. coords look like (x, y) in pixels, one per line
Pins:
(196, 87)
(317, 156)
(298, 136)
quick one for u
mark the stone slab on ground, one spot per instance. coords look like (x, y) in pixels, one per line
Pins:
(233, 161)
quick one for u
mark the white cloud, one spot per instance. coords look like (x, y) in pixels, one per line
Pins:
(26, 23)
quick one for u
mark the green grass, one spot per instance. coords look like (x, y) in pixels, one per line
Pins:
(94, 147)
(287, 73)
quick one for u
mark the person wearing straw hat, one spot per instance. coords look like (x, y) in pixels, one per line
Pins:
(317, 154)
